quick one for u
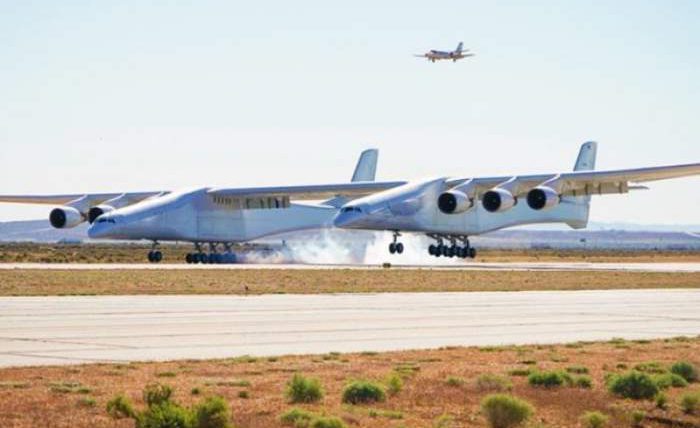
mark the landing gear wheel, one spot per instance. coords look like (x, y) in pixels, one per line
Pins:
(399, 248)
(157, 256)
(472, 252)
(150, 256)
(432, 249)
(188, 258)
(392, 248)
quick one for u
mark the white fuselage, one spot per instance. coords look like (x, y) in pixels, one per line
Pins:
(196, 216)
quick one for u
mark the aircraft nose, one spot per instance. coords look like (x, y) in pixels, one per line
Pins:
(347, 217)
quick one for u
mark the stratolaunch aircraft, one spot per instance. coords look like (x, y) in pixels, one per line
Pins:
(449, 210)
(217, 217)
(454, 55)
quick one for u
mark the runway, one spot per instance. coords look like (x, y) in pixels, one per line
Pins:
(63, 330)
(482, 266)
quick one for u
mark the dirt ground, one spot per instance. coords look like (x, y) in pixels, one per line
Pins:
(136, 253)
(38, 396)
(307, 281)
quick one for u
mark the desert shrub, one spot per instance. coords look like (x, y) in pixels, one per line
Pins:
(634, 385)
(454, 382)
(661, 400)
(87, 402)
(594, 420)
(650, 367)
(155, 394)
(212, 413)
(296, 417)
(304, 390)
(120, 407)
(162, 412)
(637, 418)
(394, 384)
(326, 422)
(358, 392)
(583, 381)
(195, 391)
(505, 411)
(520, 372)
(690, 402)
(243, 394)
(686, 370)
(549, 379)
(577, 369)
(491, 382)
(667, 380)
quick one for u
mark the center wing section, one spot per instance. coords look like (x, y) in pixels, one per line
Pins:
(308, 192)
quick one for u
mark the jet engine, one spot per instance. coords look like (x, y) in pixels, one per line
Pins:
(542, 197)
(454, 202)
(498, 200)
(65, 217)
(98, 211)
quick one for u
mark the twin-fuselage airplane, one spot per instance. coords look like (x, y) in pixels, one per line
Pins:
(448, 210)
(458, 53)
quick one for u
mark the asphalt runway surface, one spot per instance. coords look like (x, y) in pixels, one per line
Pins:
(484, 266)
(81, 329)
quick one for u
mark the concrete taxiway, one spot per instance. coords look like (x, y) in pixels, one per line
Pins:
(484, 266)
(62, 330)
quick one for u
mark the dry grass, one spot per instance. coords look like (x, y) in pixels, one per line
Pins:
(136, 253)
(426, 395)
(307, 281)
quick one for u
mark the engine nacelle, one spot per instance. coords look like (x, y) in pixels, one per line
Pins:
(498, 200)
(98, 211)
(65, 217)
(454, 202)
(542, 198)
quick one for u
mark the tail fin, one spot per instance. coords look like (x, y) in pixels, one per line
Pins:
(459, 47)
(586, 157)
(581, 205)
(366, 168)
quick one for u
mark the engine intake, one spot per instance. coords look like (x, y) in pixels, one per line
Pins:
(498, 200)
(541, 198)
(65, 217)
(454, 202)
(98, 211)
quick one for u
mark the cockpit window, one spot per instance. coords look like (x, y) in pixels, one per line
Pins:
(106, 220)
(351, 209)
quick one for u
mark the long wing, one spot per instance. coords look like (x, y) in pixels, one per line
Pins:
(310, 192)
(584, 182)
(93, 198)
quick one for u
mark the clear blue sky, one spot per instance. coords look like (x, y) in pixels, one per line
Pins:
(117, 96)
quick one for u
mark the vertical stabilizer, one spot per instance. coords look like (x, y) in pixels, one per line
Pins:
(586, 157)
(459, 47)
(366, 168)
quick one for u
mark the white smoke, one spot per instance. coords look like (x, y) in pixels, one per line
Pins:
(332, 246)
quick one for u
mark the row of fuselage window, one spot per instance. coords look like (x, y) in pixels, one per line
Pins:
(252, 203)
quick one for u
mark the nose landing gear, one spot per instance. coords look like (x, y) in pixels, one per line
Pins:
(155, 256)
(396, 247)
(453, 249)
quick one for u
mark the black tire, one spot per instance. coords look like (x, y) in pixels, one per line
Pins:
(399, 248)
(431, 250)
(445, 251)
(188, 258)
(472, 253)
(150, 257)
(392, 248)
(157, 256)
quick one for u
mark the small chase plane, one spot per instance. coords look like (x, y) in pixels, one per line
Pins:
(454, 55)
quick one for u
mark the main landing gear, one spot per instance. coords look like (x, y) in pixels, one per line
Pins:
(213, 257)
(396, 247)
(155, 256)
(453, 249)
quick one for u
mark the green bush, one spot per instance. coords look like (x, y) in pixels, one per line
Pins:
(505, 411)
(661, 400)
(394, 384)
(634, 385)
(637, 418)
(650, 367)
(686, 370)
(577, 369)
(213, 412)
(690, 402)
(583, 382)
(667, 380)
(296, 417)
(162, 412)
(594, 420)
(491, 382)
(326, 422)
(359, 392)
(454, 382)
(304, 390)
(549, 379)
(120, 407)
(520, 372)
